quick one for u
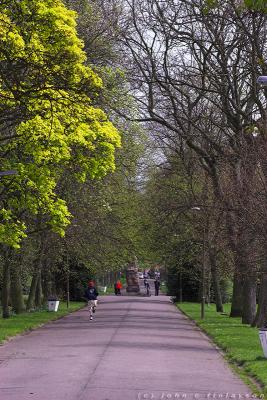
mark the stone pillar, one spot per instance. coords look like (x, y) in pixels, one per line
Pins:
(132, 278)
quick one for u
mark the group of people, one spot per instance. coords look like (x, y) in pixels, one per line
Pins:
(91, 293)
(156, 284)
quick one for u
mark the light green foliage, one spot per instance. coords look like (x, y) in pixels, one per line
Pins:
(254, 5)
(107, 213)
(170, 192)
(48, 121)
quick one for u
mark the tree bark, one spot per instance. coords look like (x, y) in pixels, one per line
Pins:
(215, 279)
(6, 289)
(34, 282)
(46, 282)
(16, 288)
(249, 299)
(38, 292)
(237, 300)
(261, 317)
(36, 273)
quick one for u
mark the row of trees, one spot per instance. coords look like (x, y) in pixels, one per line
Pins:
(78, 89)
(65, 214)
(193, 68)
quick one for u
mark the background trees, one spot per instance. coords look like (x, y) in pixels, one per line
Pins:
(182, 73)
(194, 75)
(50, 123)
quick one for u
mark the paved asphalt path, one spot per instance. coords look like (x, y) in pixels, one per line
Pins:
(136, 348)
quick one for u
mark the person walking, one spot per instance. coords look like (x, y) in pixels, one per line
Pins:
(91, 297)
(147, 286)
(118, 288)
(115, 288)
(157, 286)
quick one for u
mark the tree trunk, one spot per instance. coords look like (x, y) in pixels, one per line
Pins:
(16, 288)
(31, 298)
(6, 289)
(46, 284)
(180, 287)
(261, 317)
(38, 292)
(249, 299)
(215, 280)
(36, 273)
(237, 300)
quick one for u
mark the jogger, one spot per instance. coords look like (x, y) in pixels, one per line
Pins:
(92, 304)
(91, 295)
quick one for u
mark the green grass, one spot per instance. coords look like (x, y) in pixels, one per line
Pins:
(240, 342)
(21, 323)
(163, 288)
(110, 290)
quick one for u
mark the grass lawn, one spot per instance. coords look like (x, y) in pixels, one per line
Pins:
(17, 324)
(110, 290)
(240, 342)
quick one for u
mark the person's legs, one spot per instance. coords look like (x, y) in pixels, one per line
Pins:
(90, 306)
(94, 305)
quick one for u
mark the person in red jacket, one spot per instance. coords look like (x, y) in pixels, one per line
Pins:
(118, 287)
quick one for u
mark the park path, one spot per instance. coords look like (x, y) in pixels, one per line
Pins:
(136, 348)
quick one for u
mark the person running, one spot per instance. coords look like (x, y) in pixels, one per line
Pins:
(157, 286)
(91, 296)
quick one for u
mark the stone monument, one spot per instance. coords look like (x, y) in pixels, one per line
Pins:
(132, 278)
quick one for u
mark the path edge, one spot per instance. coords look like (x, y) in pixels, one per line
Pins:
(254, 384)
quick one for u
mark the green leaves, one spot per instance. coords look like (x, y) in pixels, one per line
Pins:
(253, 5)
(256, 5)
(47, 113)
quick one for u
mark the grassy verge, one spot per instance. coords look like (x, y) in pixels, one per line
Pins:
(17, 324)
(240, 342)
(163, 288)
(110, 290)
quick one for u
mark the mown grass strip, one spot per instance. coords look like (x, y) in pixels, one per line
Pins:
(22, 323)
(239, 342)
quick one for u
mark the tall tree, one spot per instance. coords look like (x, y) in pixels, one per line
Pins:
(49, 118)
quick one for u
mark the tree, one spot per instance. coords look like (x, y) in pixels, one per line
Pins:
(195, 82)
(49, 118)
(48, 121)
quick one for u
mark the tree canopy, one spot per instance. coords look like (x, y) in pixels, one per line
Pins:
(49, 121)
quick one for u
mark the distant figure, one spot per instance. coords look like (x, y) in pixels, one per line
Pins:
(91, 296)
(115, 288)
(147, 286)
(118, 287)
(157, 286)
